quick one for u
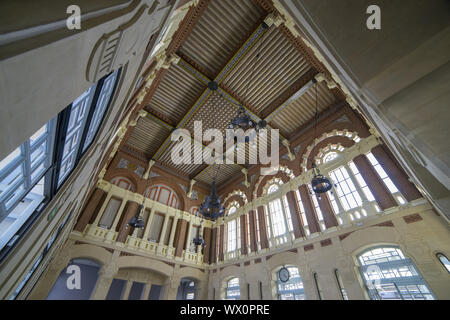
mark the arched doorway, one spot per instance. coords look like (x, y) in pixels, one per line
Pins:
(77, 281)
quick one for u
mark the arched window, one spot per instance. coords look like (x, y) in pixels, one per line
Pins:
(233, 290)
(186, 290)
(389, 275)
(351, 193)
(444, 260)
(123, 183)
(279, 224)
(163, 194)
(83, 274)
(233, 234)
(292, 289)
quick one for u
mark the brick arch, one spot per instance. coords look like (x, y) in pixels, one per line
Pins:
(133, 177)
(262, 180)
(343, 141)
(174, 186)
(236, 198)
(345, 137)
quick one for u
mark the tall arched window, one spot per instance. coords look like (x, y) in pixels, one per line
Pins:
(232, 231)
(278, 221)
(444, 260)
(389, 275)
(352, 196)
(233, 290)
(292, 289)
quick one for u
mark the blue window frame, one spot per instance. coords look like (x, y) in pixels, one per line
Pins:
(31, 175)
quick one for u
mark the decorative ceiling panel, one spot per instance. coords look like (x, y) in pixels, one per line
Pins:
(176, 93)
(259, 80)
(224, 172)
(216, 112)
(302, 110)
(175, 149)
(147, 136)
(219, 32)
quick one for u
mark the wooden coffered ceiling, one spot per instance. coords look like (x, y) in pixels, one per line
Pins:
(261, 67)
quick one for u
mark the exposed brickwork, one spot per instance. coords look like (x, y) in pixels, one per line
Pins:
(385, 224)
(412, 218)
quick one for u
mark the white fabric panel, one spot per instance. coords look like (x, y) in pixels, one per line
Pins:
(110, 213)
(156, 227)
(164, 195)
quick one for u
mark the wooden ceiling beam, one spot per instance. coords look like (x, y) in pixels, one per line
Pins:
(295, 91)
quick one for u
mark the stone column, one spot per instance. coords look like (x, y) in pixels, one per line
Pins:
(104, 281)
(89, 210)
(295, 215)
(188, 236)
(170, 289)
(148, 224)
(127, 290)
(132, 209)
(172, 231)
(379, 190)
(146, 293)
(164, 230)
(118, 215)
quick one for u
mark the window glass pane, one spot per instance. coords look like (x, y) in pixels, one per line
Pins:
(20, 211)
(383, 175)
(231, 233)
(77, 119)
(38, 134)
(302, 209)
(100, 108)
(233, 291)
(292, 289)
(444, 261)
(388, 274)
(10, 158)
(277, 217)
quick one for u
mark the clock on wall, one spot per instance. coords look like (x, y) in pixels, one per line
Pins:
(283, 274)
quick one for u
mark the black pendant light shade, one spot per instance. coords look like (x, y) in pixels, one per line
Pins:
(320, 184)
(212, 208)
(137, 221)
(199, 241)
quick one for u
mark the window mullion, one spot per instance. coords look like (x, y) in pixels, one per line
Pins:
(27, 165)
(286, 225)
(356, 184)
